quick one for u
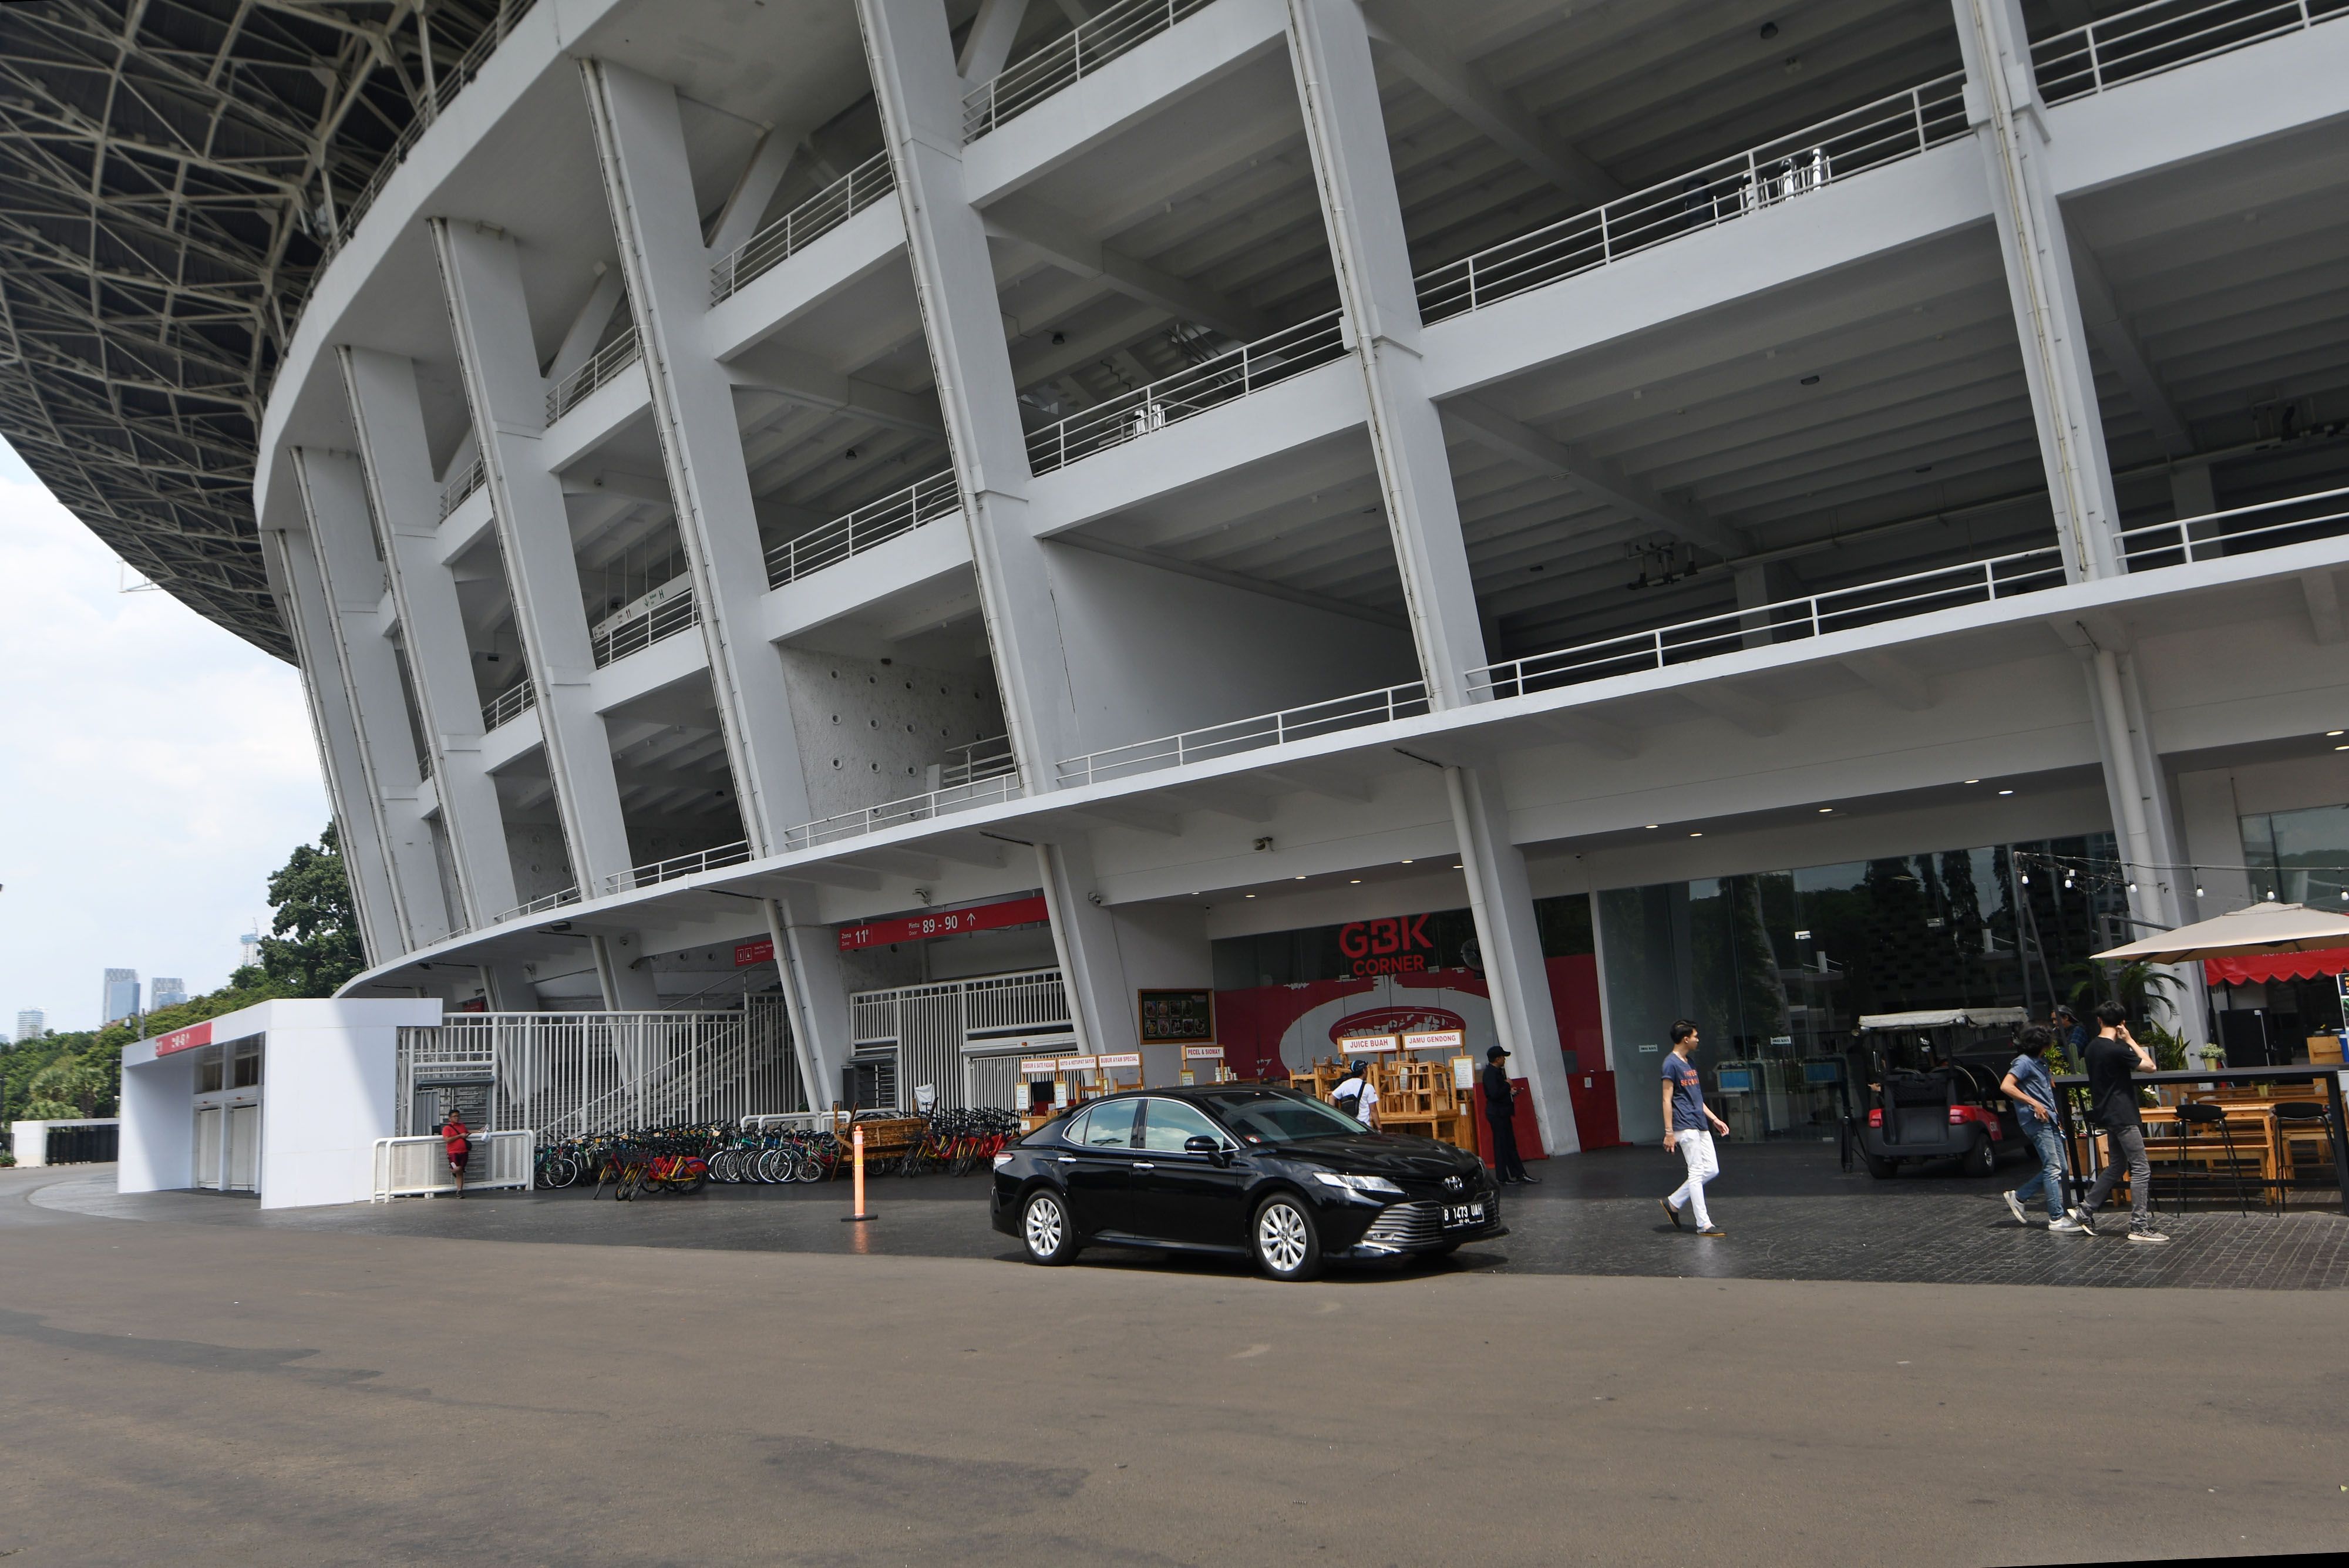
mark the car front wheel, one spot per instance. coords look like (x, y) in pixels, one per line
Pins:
(1044, 1227)
(1287, 1245)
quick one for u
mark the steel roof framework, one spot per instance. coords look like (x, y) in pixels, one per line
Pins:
(169, 177)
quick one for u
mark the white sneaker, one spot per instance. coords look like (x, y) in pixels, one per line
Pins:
(2015, 1207)
(2067, 1226)
(2085, 1220)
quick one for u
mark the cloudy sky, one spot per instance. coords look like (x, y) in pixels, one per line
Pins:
(154, 769)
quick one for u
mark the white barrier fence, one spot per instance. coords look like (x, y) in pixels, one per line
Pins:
(413, 1166)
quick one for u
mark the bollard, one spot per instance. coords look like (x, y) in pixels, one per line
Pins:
(856, 1148)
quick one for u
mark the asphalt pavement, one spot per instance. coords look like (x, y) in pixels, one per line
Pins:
(690, 1382)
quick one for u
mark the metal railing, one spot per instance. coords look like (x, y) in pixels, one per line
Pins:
(2324, 514)
(1405, 702)
(618, 640)
(803, 225)
(977, 762)
(1780, 171)
(447, 84)
(1085, 48)
(924, 501)
(602, 365)
(469, 479)
(509, 704)
(896, 813)
(2162, 36)
(424, 765)
(414, 1166)
(1132, 415)
(538, 905)
(655, 872)
(1841, 610)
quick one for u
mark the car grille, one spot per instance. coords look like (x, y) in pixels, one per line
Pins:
(1418, 1224)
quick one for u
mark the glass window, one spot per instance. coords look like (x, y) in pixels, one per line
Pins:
(2300, 856)
(208, 1075)
(1167, 1123)
(1109, 1124)
(248, 1071)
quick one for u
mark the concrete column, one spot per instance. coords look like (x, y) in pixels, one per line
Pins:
(627, 987)
(309, 617)
(481, 275)
(910, 52)
(807, 954)
(640, 143)
(2152, 851)
(396, 462)
(2011, 126)
(1501, 898)
(1084, 936)
(510, 990)
(1330, 47)
(342, 542)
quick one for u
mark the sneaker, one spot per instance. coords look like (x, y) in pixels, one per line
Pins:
(2068, 1227)
(1717, 1230)
(2015, 1207)
(2085, 1219)
(1670, 1213)
(2146, 1232)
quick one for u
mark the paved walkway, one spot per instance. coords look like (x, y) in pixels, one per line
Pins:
(1790, 1214)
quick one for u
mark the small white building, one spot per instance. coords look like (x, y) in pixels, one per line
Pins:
(195, 1101)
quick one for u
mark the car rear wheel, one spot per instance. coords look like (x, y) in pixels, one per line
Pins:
(1288, 1244)
(1981, 1159)
(1044, 1228)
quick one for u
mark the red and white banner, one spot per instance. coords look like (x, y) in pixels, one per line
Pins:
(187, 1038)
(747, 953)
(947, 923)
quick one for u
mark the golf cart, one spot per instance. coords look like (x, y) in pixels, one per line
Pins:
(1928, 1087)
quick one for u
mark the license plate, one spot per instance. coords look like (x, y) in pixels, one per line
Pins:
(1458, 1214)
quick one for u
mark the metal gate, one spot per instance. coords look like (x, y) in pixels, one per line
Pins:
(963, 1037)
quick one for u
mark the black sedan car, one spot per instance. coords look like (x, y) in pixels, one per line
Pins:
(1240, 1169)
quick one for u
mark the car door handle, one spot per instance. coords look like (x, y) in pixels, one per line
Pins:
(1068, 1159)
(1144, 1165)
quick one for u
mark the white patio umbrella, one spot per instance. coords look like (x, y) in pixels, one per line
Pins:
(2259, 929)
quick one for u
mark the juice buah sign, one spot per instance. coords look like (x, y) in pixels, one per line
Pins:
(1397, 945)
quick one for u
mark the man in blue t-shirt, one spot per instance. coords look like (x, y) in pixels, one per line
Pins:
(1685, 1116)
(2032, 1092)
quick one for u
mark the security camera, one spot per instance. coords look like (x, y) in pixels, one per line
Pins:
(1094, 898)
(1264, 846)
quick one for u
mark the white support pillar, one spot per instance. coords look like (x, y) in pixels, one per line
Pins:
(1337, 88)
(309, 618)
(807, 955)
(2159, 885)
(1501, 897)
(342, 543)
(910, 51)
(2011, 126)
(1101, 1005)
(620, 971)
(640, 144)
(481, 275)
(397, 463)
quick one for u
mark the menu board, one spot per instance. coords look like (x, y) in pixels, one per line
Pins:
(1177, 1017)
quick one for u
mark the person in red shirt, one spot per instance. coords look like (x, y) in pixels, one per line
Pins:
(455, 1134)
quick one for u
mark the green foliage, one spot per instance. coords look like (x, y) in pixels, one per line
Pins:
(2139, 987)
(2168, 1047)
(315, 947)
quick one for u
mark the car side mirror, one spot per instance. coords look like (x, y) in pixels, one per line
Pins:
(1200, 1143)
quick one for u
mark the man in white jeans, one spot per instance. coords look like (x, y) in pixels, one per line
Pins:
(1685, 1116)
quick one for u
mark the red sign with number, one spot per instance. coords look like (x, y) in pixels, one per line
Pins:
(949, 923)
(187, 1038)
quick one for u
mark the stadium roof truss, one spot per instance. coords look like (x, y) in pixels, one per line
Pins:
(173, 175)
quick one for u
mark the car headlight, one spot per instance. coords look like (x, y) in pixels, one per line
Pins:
(1001, 1161)
(1367, 1186)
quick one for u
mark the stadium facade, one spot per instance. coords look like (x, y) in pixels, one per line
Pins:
(1543, 518)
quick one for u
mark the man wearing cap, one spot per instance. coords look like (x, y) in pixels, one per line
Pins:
(1500, 1119)
(1357, 1096)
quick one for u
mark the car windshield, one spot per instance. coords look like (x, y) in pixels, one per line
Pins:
(1268, 1118)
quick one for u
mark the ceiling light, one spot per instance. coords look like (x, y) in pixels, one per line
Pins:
(1356, 882)
(1455, 865)
(2329, 732)
(1824, 809)
(1651, 827)
(1973, 781)
(1300, 878)
(1696, 836)
(2341, 748)
(2006, 791)
(1406, 861)
(1248, 895)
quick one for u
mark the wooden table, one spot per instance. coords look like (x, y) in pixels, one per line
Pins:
(2328, 1073)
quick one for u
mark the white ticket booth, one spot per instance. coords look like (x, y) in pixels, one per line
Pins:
(282, 1101)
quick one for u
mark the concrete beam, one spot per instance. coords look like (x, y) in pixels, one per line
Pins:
(810, 383)
(988, 43)
(1897, 683)
(1061, 241)
(1590, 730)
(2116, 336)
(1594, 475)
(2322, 593)
(1419, 53)
(1735, 707)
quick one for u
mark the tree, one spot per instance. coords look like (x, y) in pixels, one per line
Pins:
(314, 945)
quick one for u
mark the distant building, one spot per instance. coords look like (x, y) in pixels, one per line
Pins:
(31, 1025)
(122, 995)
(165, 990)
(248, 949)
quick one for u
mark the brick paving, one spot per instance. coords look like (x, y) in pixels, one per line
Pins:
(1790, 1215)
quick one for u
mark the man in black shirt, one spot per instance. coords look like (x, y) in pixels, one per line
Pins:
(1500, 1120)
(2113, 1059)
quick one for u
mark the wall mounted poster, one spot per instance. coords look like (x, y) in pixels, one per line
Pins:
(1177, 1017)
